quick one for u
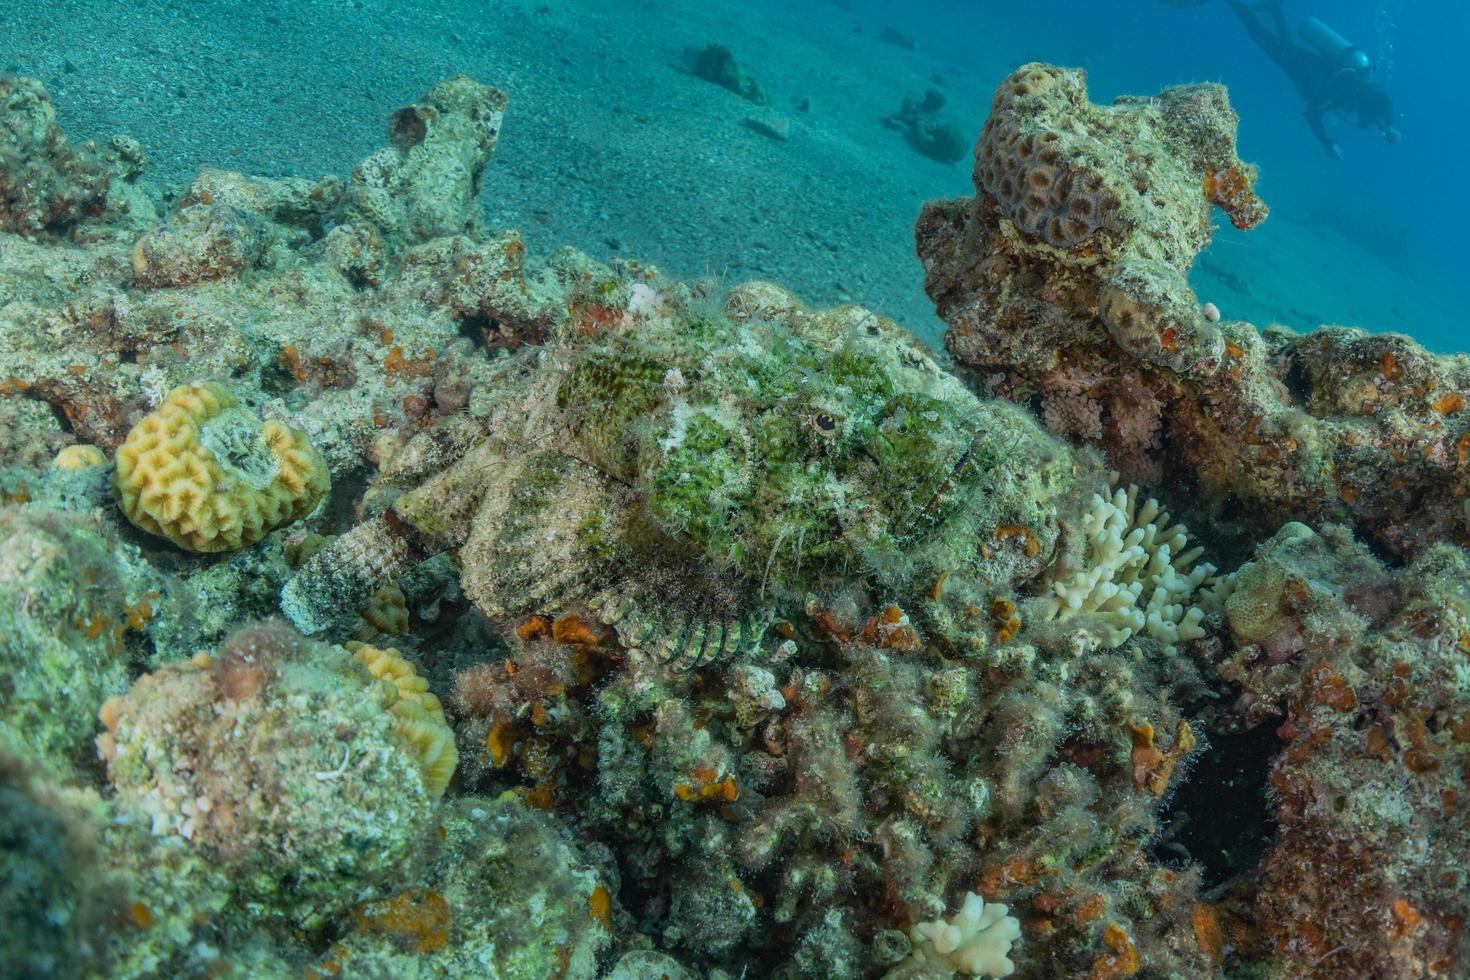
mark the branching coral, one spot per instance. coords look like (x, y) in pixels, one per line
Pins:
(210, 476)
(1138, 576)
(975, 941)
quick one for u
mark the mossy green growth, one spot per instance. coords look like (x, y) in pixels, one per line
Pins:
(62, 614)
(798, 456)
(692, 472)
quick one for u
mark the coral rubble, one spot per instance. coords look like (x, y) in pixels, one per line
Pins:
(663, 629)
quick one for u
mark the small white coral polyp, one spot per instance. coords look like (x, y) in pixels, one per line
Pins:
(1134, 554)
(976, 940)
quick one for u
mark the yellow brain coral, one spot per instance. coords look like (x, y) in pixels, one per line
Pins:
(211, 476)
(79, 457)
(419, 714)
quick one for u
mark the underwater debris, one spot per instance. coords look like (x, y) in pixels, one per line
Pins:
(918, 120)
(716, 63)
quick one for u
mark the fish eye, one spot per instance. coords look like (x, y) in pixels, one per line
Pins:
(826, 424)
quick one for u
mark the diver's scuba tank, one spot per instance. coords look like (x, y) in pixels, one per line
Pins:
(1332, 44)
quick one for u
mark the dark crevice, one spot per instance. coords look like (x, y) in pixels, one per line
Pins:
(1220, 816)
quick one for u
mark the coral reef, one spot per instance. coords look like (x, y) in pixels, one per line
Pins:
(419, 717)
(703, 633)
(209, 475)
(1063, 284)
(505, 895)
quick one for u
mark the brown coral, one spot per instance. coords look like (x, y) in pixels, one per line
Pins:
(1268, 426)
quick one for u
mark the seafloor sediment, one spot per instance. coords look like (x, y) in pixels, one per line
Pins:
(381, 600)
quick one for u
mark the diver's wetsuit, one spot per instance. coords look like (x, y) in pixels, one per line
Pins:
(1326, 84)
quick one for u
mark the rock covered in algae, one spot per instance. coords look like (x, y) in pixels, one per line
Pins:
(46, 185)
(63, 609)
(1063, 284)
(426, 182)
(1368, 666)
(328, 310)
(85, 890)
(280, 760)
(506, 895)
(732, 460)
(226, 223)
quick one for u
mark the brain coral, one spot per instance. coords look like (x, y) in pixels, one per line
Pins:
(211, 476)
(280, 759)
(420, 717)
(79, 456)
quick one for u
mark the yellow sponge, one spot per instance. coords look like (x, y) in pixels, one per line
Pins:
(419, 715)
(211, 476)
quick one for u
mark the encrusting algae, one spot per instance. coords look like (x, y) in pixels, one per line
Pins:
(661, 629)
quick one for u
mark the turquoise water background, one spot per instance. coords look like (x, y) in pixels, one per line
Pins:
(609, 148)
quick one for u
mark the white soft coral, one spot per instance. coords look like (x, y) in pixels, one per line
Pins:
(975, 941)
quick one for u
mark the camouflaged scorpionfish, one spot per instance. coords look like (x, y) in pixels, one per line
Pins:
(693, 474)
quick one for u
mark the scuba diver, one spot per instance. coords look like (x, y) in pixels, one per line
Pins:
(1330, 72)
